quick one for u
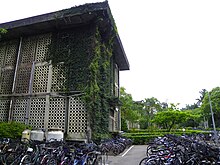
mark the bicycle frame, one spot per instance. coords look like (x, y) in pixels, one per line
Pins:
(80, 160)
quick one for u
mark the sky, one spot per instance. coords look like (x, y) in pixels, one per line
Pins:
(173, 46)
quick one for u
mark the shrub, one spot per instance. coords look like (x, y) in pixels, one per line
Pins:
(12, 129)
(145, 136)
(142, 139)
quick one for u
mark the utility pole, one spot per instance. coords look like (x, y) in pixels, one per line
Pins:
(213, 120)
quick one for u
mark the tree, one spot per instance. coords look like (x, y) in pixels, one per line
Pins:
(127, 102)
(164, 106)
(201, 97)
(168, 119)
(129, 110)
(215, 102)
(195, 118)
(151, 107)
(190, 106)
(143, 120)
(152, 104)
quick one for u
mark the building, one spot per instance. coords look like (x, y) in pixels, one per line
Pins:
(61, 69)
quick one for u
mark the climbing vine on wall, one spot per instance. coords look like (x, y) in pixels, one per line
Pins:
(2, 32)
(73, 50)
(98, 90)
(86, 55)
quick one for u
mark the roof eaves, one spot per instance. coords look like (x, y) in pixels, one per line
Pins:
(73, 11)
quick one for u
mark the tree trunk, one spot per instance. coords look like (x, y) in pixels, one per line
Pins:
(171, 126)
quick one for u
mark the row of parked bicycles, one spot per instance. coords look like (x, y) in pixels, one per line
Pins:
(181, 150)
(53, 152)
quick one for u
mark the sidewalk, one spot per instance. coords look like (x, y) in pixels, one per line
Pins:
(131, 156)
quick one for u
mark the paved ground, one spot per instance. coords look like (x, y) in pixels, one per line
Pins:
(132, 156)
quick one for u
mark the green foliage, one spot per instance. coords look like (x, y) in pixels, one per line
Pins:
(141, 112)
(124, 126)
(85, 61)
(141, 137)
(152, 105)
(215, 100)
(100, 136)
(143, 123)
(151, 111)
(12, 129)
(72, 52)
(127, 103)
(192, 106)
(162, 131)
(195, 118)
(2, 32)
(168, 119)
(201, 97)
(129, 110)
(98, 89)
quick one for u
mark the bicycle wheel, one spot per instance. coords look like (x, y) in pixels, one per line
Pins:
(115, 150)
(151, 150)
(52, 161)
(193, 161)
(90, 161)
(26, 159)
(2, 160)
(176, 161)
(12, 158)
(98, 161)
(148, 161)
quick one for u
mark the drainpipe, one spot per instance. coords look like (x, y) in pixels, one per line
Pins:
(30, 88)
(14, 80)
(29, 92)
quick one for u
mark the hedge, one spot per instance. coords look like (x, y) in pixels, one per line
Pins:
(143, 137)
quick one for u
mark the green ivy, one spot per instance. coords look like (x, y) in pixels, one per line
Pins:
(98, 89)
(86, 56)
(2, 32)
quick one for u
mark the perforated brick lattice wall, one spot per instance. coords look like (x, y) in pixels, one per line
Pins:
(7, 77)
(23, 79)
(19, 111)
(2, 53)
(8, 53)
(40, 79)
(35, 49)
(37, 112)
(42, 47)
(11, 53)
(57, 113)
(4, 107)
(28, 47)
(77, 116)
(58, 78)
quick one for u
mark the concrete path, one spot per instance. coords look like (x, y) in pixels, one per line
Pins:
(132, 156)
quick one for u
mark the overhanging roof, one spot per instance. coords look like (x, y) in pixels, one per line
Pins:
(68, 18)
